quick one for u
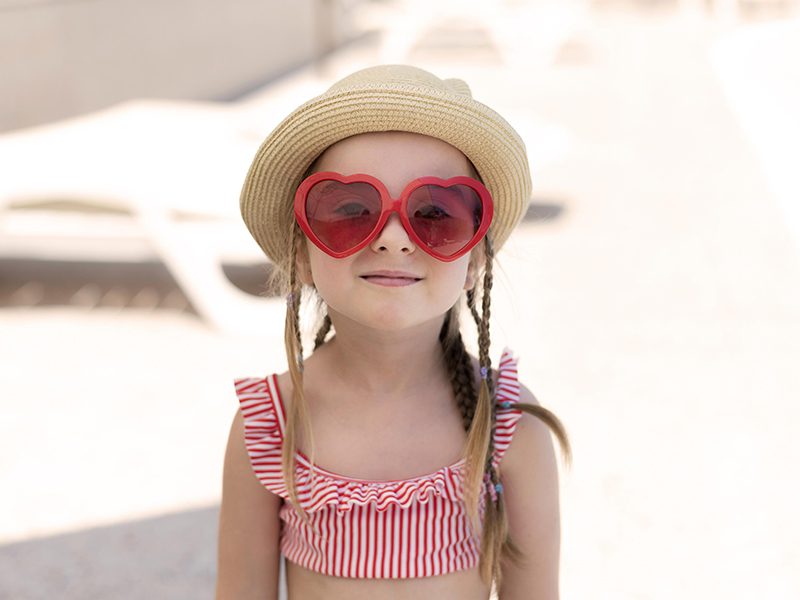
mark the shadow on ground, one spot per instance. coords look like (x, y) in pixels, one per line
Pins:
(168, 557)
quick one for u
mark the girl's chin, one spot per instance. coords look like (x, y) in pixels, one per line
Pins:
(395, 320)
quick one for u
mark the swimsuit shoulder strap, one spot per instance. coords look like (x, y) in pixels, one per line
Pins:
(507, 395)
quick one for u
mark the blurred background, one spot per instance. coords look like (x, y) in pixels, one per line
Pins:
(652, 291)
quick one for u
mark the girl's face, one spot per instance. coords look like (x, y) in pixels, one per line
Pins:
(391, 284)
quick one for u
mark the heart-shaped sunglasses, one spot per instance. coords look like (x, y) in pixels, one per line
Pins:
(341, 214)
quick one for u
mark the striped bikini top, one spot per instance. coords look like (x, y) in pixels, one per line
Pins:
(415, 527)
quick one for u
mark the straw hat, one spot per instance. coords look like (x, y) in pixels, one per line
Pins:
(383, 98)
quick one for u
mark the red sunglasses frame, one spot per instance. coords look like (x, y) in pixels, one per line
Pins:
(390, 205)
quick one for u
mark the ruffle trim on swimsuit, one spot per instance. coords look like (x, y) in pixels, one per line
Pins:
(318, 488)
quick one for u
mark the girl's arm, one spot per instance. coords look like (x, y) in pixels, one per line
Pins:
(530, 482)
(248, 552)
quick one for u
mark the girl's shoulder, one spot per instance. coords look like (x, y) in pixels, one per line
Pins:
(273, 392)
(531, 449)
(264, 421)
(262, 408)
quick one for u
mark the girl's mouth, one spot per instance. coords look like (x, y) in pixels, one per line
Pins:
(391, 278)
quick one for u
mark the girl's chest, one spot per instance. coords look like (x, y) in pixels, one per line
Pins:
(376, 446)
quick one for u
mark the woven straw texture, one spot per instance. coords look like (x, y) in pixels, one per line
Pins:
(386, 98)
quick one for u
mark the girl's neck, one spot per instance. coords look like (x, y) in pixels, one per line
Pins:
(386, 363)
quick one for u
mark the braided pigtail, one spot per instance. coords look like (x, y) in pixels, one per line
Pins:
(471, 305)
(462, 377)
(297, 421)
(322, 332)
(478, 437)
(459, 366)
(480, 441)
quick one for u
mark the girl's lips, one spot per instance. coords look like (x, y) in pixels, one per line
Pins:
(391, 278)
(390, 281)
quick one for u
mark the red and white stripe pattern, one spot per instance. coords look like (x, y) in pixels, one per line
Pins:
(405, 528)
(507, 390)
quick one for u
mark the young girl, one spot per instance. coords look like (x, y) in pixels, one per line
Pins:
(389, 463)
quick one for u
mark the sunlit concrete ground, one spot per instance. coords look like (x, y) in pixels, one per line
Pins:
(657, 313)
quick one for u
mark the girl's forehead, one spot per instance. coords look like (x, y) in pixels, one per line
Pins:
(397, 152)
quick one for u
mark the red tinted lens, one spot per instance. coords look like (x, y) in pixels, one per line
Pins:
(445, 218)
(342, 215)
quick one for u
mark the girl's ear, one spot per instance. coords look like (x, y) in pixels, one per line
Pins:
(302, 262)
(469, 282)
(473, 268)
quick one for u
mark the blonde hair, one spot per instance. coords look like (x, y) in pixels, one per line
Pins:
(475, 398)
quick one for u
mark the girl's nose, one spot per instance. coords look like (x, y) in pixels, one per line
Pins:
(393, 238)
